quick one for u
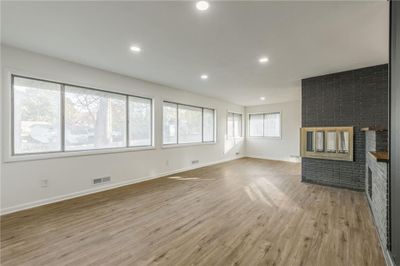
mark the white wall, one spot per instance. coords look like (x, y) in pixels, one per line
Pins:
(71, 176)
(285, 147)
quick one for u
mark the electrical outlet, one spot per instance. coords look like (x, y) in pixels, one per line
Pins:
(44, 183)
(237, 153)
(195, 161)
(166, 162)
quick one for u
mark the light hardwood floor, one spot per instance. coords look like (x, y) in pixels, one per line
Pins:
(243, 212)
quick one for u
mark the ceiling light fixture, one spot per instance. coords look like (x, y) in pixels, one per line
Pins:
(135, 49)
(204, 76)
(202, 5)
(262, 98)
(263, 60)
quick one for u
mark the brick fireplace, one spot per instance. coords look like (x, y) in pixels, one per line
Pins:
(376, 179)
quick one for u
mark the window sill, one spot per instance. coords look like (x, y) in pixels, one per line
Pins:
(171, 146)
(55, 155)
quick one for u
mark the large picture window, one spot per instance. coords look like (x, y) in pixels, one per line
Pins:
(189, 124)
(234, 125)
(170, 123)
(36, 116)
(208, 125)
(140, 125)
(184, 124)
(94, 119)
(57, 117)
(265, 125)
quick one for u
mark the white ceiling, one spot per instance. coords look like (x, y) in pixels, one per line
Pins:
(179, 43)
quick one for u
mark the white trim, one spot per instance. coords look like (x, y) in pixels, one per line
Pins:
(264, 113)
(166, 99)
(242, 126)
(270, 159)
(182, 145)
(68, 81)
(96, 189)
(8, 130)
(63, 154)
(177, 145)
(262, 137)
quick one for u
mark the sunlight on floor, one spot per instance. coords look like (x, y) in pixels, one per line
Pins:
(262, 188)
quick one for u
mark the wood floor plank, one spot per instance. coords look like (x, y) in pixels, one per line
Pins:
(243, 212)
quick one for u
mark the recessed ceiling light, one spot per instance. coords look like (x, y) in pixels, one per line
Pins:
(135, 49)
(202, 5)
(263, 60)
(262, 98)
(204, 76)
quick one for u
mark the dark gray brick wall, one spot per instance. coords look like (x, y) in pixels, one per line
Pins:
(381, 140)
(376, 141)
(356, 98)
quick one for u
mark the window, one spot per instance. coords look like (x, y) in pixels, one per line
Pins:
(140, 126)
(56, 117)
(331, 141)
(272, 125)
(265, 125)
(229, 125)
(208, 125)
(36, 116)
(234, 125)
(256, 125)
(94, 119)
(187, 124)
(170, 123)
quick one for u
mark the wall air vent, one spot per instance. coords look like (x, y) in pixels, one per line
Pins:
(101, 180)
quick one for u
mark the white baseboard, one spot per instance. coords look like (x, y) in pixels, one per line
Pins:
(269, 158)
(81, 193)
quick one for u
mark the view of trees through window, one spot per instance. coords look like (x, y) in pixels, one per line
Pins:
(187, 124)
(55, 117)
(208, 122)
(37, 116)
(170, 123)
(140, 126)
(93, 119)
(190, 124)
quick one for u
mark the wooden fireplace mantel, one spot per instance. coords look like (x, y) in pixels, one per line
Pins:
(380, 156)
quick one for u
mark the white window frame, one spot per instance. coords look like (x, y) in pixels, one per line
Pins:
(177, 144)
(8, 129)
(263, 114)
(241, 129)
(151, 123)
